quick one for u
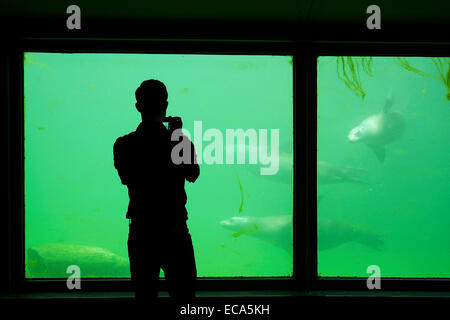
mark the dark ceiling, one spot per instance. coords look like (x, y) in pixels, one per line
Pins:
(408, 17)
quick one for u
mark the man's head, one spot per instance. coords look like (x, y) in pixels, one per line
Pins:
(151, 99)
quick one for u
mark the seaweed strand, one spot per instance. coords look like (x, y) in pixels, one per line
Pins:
(442, 66)
(349, 69)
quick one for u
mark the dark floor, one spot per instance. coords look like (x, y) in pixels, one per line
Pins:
(280, 305)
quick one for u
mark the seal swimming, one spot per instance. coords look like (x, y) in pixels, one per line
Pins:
(328, 173)
(283, 160)
(51, 261)
(277, 230)
(379, 129)
(274, 229)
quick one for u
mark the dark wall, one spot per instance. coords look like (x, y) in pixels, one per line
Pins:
(401, 20)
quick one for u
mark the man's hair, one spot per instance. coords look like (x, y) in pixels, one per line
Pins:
(151, 93)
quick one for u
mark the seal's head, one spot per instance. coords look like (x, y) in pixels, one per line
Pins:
(235, 223)
(357, 134)
(368, 129)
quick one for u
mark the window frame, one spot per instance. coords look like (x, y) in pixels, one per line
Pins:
(16, 258)
(305, 276)
(361, 48)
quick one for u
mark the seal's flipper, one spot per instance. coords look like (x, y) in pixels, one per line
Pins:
(389, 101)
(380, 152)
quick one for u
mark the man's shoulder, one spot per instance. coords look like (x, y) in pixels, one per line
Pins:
(125, 139)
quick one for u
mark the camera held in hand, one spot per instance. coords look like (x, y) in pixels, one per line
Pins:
(173, 123)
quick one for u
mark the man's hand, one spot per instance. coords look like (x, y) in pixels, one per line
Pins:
(175, 123)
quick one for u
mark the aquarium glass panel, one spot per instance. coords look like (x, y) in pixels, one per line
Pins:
(77, 105)
(383, 169)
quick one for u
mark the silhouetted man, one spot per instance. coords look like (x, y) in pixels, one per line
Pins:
(158, 235)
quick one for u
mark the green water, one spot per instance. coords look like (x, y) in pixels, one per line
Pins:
(77, 105)
(391, 213)
(404, 200)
